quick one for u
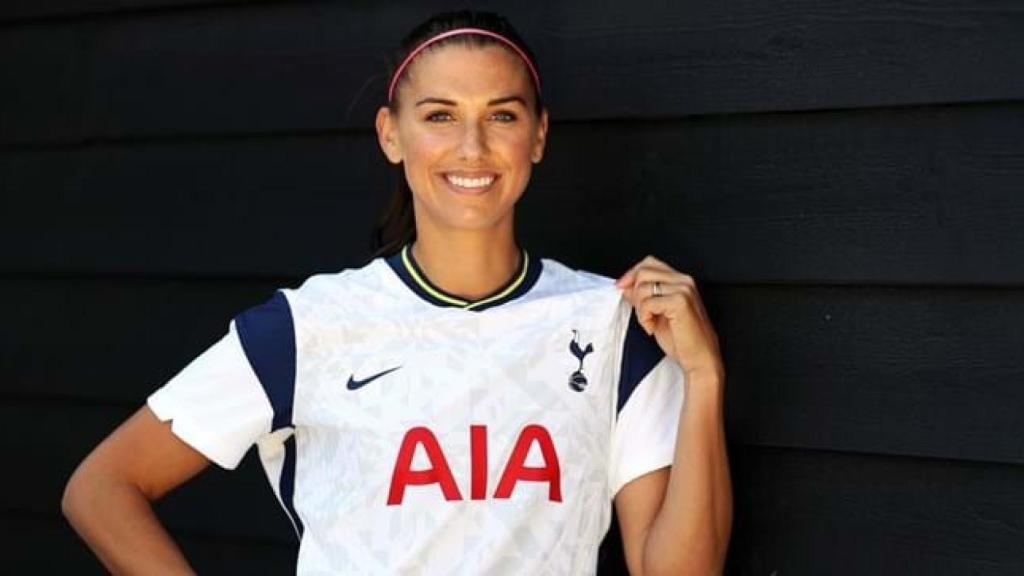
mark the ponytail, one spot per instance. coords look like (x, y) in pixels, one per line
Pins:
(397, 226)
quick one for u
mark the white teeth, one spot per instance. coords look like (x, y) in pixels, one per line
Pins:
(482, 182)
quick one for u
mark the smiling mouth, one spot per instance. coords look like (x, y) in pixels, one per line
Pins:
(476, 183)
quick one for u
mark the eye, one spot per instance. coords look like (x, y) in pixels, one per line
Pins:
(439, 117)
(504, 116)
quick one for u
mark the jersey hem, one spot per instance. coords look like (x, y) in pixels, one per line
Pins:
(190, 434)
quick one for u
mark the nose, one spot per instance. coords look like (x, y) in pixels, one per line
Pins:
(473, 144)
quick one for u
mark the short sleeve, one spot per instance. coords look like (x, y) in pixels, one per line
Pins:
(650, 400)
(238, 390)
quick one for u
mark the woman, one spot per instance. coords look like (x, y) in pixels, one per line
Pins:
(456, 405)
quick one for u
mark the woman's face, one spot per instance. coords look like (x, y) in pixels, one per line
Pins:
(467, 134)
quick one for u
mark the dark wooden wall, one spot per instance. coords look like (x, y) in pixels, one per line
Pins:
(843, 178)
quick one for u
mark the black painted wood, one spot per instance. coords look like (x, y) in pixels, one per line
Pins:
(904, 371)
(925, 195)
(214, 554)
(896, 196)
(19, 12)
(45, 544)
(111, 341)
(47, 441)
(810, 512)
(842, 179)
(313, 65)
(45, 74)
(240, 207)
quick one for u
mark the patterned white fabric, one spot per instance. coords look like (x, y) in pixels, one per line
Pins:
(489, 377)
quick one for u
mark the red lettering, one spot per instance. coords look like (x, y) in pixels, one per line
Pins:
(478, 460)
(517, 470)
(438, 473)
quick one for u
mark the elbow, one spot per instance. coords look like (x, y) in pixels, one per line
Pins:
(82, 492)
(688, 568)
(73, 499)
(703, 561)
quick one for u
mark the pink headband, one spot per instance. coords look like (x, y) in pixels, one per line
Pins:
(456, 32)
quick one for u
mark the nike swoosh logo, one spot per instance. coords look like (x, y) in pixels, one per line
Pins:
(354, 384)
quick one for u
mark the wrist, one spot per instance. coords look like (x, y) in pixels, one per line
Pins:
(710, 374)
(705, 387)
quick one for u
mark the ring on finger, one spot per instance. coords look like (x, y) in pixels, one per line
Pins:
(656, 288)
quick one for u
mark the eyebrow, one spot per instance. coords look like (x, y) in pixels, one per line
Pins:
(507, 99)
(495, 102)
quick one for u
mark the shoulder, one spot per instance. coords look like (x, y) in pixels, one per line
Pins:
(327, 296)
(340, 288)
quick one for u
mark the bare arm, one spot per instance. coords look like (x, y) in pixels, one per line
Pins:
(678, 520)
(108, 497)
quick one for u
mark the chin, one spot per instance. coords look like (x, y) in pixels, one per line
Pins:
(475, 221)
(448, 214)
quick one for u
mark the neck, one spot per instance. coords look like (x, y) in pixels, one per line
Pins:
(470, 264)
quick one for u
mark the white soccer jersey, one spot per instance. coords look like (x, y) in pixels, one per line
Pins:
(407, 431)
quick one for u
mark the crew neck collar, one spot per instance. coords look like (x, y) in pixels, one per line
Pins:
(409, 271)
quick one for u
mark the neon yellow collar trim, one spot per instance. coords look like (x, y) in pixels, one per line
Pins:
(464, 304)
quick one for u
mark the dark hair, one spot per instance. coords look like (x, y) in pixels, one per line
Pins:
(397, 226)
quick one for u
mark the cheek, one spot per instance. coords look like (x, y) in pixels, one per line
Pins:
(517, 146)
(423, 147)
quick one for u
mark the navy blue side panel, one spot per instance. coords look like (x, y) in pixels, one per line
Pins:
(640, 353)
(268, 338)
(288, 483)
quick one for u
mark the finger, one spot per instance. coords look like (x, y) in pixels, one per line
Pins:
(690, 315)
(647, 276)
(675, 300)
(655, 270)
(665, 276)
(643, 284)
(653, 262)
(627, 277)
(647, 289)
(650, 307)
(687, 288)
(691, 338)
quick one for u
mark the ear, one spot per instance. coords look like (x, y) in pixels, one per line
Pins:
(387, 135)
(542, 136)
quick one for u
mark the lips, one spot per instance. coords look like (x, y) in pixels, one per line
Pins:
(476, 183)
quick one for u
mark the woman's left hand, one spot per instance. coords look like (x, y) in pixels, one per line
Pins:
(676, 318)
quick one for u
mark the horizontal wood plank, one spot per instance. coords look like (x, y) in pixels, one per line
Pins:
(800, 512)
(905, 371)
(892, 371)
(19, 12)
(43, 543)
(238, 207)
(40, 543)
(48, 441)
(293, 66)
(907, 196)
(108, 342)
